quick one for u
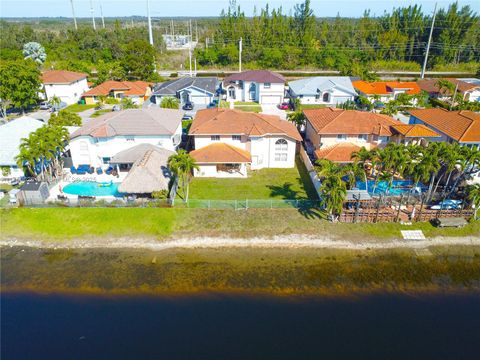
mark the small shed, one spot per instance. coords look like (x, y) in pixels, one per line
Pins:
(33, 193)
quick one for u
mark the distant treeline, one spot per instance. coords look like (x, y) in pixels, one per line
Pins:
(273, 39)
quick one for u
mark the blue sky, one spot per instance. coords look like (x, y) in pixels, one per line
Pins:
(171, 8)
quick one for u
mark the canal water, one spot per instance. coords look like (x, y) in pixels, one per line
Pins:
(227, 326)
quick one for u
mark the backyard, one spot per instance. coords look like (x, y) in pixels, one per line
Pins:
(280, 184)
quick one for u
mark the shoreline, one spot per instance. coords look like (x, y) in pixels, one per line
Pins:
(285, 242)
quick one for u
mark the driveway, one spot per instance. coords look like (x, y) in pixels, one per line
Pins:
(274, 110)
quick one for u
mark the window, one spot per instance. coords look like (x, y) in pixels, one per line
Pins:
(83, 146)
(281, 148)
(231, 92)
(281, 145)
(383, 139)
(362, 137)
(317, 97)
(267, 85)
(341, 137)
(326, 97)
(106, 160)
(253, 91)
(215, 137)
(236, 137)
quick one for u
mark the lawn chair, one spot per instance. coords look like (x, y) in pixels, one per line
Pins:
(73, 170)
(99, 171)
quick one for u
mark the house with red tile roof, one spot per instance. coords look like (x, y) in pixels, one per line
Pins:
(138, 91)
(333, 133)
(385, 91)
(230, 142)
(468, 88)
(261, 86)
(68, 86)
(459, 126)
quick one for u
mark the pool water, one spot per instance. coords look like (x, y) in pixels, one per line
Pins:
(398, 187)
(90, 188)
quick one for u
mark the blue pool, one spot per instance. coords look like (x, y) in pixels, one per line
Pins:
(89, 188)
(398, 187)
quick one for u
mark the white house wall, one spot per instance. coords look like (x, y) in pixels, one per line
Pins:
(68, 93)
(276, 89)
(337, 96)
(96, 149)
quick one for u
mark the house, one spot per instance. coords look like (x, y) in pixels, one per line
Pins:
(68, 86)
(323, 90)
(199, 91)
(385, 91)
(468, 88)
(334, 134)
(229, 142)
(11, 135)
(138, 91)
(262, 86)
(103, 138)
(459, 126)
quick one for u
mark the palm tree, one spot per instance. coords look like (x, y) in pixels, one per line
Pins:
(182, 165)
(473, 194)
(55, 102)
(297, 118)
(169, 102)
(362, 157)
(334, 192)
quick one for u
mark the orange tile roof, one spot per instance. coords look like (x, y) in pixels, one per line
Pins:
(61, 77)
(415, 130)
(385, 87)
(333, 121)
(462, 125)
(221, 153)
(235, 122)
(130, 88)
(341, 153)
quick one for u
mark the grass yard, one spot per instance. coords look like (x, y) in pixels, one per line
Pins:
(62, 224)
(247, 106)
(278, 184)
(100, 112)
(311, 106)
(76, 108)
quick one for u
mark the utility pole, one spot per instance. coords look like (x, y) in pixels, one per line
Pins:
(422, 75)
(93, 16)
(150, 33)
(101, 14)
(195, 67)
(196, 31)
(240, 55)
(73, 13)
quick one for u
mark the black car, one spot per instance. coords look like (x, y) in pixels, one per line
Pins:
(188, 106)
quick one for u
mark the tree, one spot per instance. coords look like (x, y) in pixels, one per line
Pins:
(55, 101)
(182, 165)
(19, 83)
(65, 118)
(169, 102)
(139, 60)
(362, 157)
(128, 103)
(35, 52)
(334, 192)
(296, 118)
(473, 194)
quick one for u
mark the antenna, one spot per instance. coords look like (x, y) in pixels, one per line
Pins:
(101, 14)
(150, 33)
(73, 13)
(93, 16)
(422, 75)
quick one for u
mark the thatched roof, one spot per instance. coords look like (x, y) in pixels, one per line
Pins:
(129, 156)
(148, 174)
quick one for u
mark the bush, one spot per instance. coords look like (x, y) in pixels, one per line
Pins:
(111, 101)
(159, 195)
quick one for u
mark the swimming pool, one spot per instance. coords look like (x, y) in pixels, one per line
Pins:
(89, 188)
(398, 187)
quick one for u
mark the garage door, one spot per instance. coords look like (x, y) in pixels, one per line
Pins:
(271, 99)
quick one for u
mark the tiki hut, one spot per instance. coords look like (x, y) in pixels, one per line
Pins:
(148, 174)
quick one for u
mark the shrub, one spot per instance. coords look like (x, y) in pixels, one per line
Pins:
(158, 195)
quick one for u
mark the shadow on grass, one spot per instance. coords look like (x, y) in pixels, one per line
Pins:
(310, 212)
(284, 191)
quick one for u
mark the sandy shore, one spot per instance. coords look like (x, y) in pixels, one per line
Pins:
(287, 241)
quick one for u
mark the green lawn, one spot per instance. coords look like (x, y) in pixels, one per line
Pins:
(100, 112)
(76, 108)
(242, 105)
(261, 184)
(62, 224)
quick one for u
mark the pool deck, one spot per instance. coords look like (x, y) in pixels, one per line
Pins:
(71, 178)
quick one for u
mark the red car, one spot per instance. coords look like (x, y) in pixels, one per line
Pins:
(284, 106)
